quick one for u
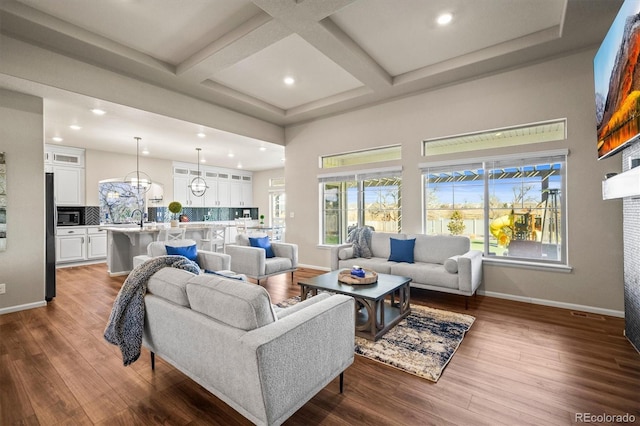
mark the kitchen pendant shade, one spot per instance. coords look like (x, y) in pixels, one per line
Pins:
(138, 180)
(198, 185)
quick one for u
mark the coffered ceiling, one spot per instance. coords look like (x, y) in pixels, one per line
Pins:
(342, 54)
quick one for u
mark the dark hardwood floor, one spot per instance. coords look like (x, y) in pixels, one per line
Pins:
(519, 364)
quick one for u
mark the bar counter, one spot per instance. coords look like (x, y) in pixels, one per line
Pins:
(124, 241)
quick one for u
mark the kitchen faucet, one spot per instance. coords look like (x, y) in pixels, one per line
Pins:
(141, 217)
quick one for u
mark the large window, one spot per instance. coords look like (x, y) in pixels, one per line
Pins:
(512, 207)
(365, 199)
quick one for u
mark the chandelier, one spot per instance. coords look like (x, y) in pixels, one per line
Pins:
(198, 185)
(138, 180)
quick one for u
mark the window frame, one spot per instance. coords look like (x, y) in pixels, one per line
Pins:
(359, 178)
(488, 164)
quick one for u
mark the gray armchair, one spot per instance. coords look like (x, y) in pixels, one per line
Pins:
(253, 262)
(209, 260)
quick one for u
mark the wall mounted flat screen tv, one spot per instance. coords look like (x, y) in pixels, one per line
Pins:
(617, 82)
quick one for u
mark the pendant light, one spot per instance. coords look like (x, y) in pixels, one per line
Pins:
(198, 185)
(138, 180)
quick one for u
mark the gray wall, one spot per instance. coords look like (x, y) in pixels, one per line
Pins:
(21, 138)
(555, 89)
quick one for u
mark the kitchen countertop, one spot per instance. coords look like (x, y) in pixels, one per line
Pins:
(151, 227)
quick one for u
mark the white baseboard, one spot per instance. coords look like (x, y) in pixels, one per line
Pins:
(81, 263)
(24, 307)
(545, 302)
(553, 303)
(320, 268)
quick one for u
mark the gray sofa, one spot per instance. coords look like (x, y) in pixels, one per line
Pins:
(442, 262)
(263, 361)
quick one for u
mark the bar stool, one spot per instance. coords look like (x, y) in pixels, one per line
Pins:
(214, 239)
(172, 234)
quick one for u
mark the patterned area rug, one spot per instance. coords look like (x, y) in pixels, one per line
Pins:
(422, 344)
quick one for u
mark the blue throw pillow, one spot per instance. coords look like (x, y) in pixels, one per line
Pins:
(402, 250)
(262, 242)
(190, 252)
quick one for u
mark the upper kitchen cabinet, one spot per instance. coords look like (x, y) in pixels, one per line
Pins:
(67, 165)
(241, 190)
(182, 177)
(225, 187)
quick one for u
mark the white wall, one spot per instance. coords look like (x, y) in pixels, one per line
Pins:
(22, 265)
(549, 90)
(101, 165)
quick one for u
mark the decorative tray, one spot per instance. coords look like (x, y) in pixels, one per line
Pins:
(345, 276)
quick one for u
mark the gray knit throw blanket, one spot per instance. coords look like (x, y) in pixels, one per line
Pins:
(126, 321)
(361, 239)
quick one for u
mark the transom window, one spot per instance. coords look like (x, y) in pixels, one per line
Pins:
(372, 155)
(525, 134)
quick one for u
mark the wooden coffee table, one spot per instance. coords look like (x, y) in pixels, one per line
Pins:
(376, 315)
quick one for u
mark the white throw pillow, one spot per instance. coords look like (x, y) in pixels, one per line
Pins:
(345, 253)
(451, 265)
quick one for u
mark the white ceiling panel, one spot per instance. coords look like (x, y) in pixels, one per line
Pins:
(420, 41)
(163, 137)
(168, 30)
(261, 75)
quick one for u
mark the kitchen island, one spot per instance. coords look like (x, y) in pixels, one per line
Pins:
(129, 240)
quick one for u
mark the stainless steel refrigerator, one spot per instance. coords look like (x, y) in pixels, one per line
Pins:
(50, 240)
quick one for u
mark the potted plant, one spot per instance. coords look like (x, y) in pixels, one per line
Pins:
(174, 207)
(261, 219)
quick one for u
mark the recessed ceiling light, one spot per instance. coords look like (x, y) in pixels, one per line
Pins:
(230, 155)
(201, 135)
(57, 139)
(262, 148)
(444, 19)
(98, 111)
(203, 160)
(75, 127)
(289, 80)
(239, 165)
(145, 151)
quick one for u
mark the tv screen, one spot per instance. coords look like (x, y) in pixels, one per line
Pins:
(617, 82)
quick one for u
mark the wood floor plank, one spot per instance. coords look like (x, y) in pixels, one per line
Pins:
(518, 364)
(15, 404)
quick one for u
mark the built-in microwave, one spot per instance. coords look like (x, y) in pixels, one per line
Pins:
(69, 217)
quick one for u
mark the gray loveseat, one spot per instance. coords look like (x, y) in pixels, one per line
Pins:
(263, 361)
(441, 262)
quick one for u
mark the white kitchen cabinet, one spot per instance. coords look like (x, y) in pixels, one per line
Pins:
(225, 187)
(241, 191)
(67, 165)
(75, 244)
(217, 194)
(182, 177)
(68, 185)
(96, 243)
(70, 244)
(224, 190)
